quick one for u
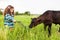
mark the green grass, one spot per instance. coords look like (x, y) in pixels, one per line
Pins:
(22, 33)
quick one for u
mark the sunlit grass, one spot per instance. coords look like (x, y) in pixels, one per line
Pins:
(25, 33)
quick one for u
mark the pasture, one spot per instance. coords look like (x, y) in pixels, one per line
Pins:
(25, 33)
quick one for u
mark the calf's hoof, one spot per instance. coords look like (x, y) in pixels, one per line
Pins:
(59, 30)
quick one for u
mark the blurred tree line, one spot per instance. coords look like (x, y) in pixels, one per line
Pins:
(17, 13)
(25, 13)
(1, 12)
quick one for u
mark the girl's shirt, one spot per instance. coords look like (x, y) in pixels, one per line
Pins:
(8, 20)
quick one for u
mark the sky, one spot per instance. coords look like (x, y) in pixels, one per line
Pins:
(34, 6)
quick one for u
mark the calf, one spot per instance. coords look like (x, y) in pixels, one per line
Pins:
(47, 18)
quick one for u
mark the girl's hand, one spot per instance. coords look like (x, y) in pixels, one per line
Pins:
(14, 21)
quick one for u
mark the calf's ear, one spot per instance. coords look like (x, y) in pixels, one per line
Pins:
(38, 19)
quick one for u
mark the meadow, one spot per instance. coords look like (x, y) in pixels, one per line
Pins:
(21, 32)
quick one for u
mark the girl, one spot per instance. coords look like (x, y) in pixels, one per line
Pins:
(9, 17)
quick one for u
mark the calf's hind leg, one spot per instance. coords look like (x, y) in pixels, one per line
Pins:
(59, 29)
(49, 30)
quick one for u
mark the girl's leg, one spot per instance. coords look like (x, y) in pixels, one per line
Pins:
(6, 26)
(11, 28)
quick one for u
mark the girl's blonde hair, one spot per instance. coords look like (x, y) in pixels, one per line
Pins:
(7, 10)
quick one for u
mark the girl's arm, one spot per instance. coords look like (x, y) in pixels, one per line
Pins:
(9, 18)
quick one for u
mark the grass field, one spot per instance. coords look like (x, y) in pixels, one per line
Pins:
(24, 33)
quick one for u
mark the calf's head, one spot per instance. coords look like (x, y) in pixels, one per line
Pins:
(34, 22)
